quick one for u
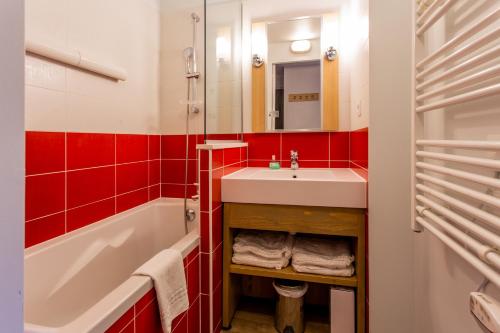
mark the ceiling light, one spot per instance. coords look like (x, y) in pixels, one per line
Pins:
(300, 46)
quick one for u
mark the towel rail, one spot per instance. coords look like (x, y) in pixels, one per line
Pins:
(462, 98)
(469, 64)
(490, 219)
(485, 198)
(75, 59)
(428, 12)
(487, 236)
(453, 195)
(478, 179)
(485, 253)
(438, 13)
(484, 268)
(489, 19)
(469, 144)
(475, 161)
(461, 53)
(467, 81)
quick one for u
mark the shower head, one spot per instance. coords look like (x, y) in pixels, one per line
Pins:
(195, 17)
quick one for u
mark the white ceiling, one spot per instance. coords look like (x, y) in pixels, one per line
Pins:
(280, 9)
(285, 31)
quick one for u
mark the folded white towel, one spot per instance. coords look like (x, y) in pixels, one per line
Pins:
(167, 271)
(311, 269)
(254, 260)
(327, 253)
(271, 245)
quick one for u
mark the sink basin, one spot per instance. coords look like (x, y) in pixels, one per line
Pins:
(303, 187)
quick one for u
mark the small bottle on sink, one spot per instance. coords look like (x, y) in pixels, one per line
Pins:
(274, 165)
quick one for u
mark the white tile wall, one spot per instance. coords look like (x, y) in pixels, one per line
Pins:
(123, 33)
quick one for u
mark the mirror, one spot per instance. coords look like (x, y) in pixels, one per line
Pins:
(274, 65)
(294, 71)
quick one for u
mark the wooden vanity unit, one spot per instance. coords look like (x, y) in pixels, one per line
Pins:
(345, 222)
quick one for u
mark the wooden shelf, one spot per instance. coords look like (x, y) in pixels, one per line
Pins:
(289, 274)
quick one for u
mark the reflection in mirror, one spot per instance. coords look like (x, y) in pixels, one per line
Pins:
(295, 85)
(223, 67)
(281, 65)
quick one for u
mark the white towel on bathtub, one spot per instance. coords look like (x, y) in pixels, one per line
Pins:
(167, 271)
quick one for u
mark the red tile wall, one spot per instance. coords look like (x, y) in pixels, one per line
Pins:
(316, 149)
(173, 154)
(223, 162)
(144, 316)
(75, 179)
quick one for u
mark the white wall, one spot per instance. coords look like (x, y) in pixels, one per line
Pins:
(359, 54)
(123, 33)
(177, 34)
(12, 165)
(298, 80)
(443, 280)
(391, 292)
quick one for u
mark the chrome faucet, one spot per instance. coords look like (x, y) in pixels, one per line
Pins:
(294, 159)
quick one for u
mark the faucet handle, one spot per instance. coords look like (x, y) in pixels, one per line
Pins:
(294, 154)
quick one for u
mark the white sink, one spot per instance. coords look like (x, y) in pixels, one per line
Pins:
(304, 187)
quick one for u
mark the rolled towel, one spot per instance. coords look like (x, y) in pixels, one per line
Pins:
(254, 260)
(166, 269)
(270, 245)
(327, 253)
(311, 269)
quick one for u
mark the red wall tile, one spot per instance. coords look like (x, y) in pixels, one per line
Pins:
(131, 148)
(217, 158)
(43, 229)
(154, 172)
(204, 232)
(85, 215)
(44, 195)
(359, 147)
(263, 146)
(90, 185)
(174, 146)
(339, 146)
(86, 150)
(193, 279)
(130, 177)
(154, 192)
(205, 273)
(86, 190)
(45, 152)
(231, 156)
(130, 200)
(311, 146)
(148, 321)
(194, 317)
(154, 147)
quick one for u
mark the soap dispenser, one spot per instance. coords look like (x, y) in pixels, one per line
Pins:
(274, 165)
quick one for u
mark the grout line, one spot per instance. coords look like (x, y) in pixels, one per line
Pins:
(85, 169)
(65, 182)
(116, 182)
(45, 216)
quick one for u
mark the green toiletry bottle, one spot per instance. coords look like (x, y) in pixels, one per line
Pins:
(274, 165)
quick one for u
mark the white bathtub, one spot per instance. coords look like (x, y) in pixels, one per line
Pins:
(81, 282)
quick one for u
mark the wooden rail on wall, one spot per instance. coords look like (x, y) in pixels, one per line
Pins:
(331, 94)
(258, 98)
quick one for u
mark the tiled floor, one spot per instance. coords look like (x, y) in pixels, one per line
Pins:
(256, 317)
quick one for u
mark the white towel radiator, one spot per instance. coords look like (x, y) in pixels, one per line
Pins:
(456, 183)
